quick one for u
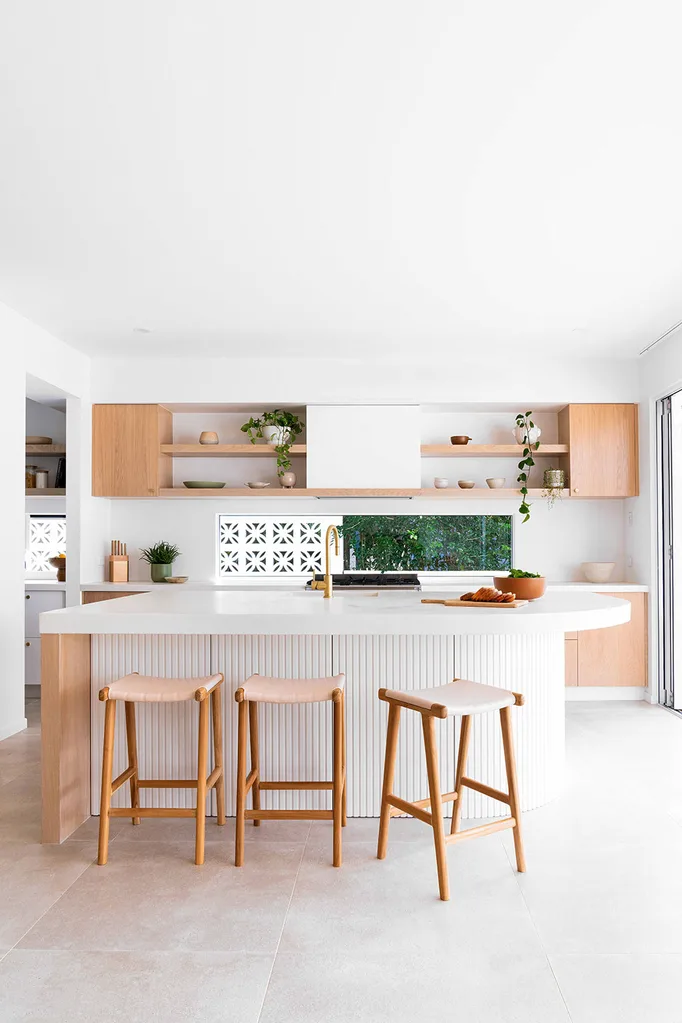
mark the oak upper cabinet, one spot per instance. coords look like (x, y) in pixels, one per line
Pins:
(603, 459)
(363, 446)
(126, 450)
(616, 656)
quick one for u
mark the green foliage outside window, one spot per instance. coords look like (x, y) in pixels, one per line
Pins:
(427, 543)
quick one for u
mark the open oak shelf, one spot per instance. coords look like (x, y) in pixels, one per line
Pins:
(451, 493)
(226, 450)
(488, 450)
(45, 449)
(46, 492)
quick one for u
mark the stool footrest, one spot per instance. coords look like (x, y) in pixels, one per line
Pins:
(289, 815)
(482, 829)
(315, 785)
(167, 783)
(151, 811)
(123, 778)
(486, 790)
(413, 809)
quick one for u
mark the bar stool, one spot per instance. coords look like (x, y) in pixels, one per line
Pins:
(457, 698)
(262, 689)
(137, 688)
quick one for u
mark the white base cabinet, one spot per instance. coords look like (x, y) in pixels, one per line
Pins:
(36, 602)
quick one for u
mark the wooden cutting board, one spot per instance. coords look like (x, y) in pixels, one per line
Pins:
(474, 603)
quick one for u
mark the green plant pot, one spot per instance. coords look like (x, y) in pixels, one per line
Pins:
(160, 572)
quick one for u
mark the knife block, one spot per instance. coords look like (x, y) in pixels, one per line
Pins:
(117, 568)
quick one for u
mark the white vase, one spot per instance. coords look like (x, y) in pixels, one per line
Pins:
(534, 434)
(287, 480)
(275, 435)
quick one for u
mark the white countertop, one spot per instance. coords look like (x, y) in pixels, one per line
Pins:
(430, 585)
(173, 610)
(44, 584)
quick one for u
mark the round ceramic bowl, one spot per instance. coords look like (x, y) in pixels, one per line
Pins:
(256, 485)
(202, 485)
(441, 483)
(496, 482)
(598, 571)
(209, 437)
(525, 589)
(176, 578)
(466, 484)
(460, 439)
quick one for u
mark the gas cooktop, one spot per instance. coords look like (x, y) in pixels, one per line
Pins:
(374, 580)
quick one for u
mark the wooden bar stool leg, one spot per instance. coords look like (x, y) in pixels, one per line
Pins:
(464, 734)
(255, 757)
(107, 766)
(389, 772)
(344, 819)
(337, 776)
(216, 709)
(429, 728)
(510, 764)
(201, 782)
(131, 737)
(241, 783)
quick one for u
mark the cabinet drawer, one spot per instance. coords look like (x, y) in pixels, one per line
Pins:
(616, 656)
(37, 601)
(32, 662)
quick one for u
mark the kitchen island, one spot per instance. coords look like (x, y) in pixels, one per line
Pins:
(377, 639)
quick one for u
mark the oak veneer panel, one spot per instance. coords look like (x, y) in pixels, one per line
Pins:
(126, 450)
(65, 734)
(616, 656)
(603, 459)
(571, 657)
(93, 596)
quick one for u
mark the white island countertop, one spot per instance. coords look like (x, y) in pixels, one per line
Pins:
(170, 611)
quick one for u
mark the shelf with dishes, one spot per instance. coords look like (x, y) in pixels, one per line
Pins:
(489, 450)
(451, 493)
(46, 450)
(227, 450)
(46, 492)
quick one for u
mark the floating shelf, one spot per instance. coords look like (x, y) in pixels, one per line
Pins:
(46, 492)
(45, 449)
(488, 450)
(451, 493)
(226, 450)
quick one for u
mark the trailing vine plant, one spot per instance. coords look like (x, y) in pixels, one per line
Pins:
(525, 423)
(289, 427)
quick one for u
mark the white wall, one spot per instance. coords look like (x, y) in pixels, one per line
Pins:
(553, 542)
(26, 349)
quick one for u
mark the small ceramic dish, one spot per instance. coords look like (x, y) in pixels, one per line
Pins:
(496, 482)
(39, 440)
(202, 485)
(441, 483)
(466, 484)
(461, 438)
(177, 578)
(257, 485)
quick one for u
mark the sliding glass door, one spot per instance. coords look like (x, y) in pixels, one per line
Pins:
(670, 549)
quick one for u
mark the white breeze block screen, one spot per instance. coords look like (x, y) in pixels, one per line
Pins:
(46, 538)
(277, 545)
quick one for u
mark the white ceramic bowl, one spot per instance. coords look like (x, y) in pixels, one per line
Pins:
(441, 483)
(496, 482)
(257, 485)
(466, 484)
(598, 571)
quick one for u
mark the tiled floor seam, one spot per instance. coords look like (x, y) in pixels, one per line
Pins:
(512, 864)
(284, 921)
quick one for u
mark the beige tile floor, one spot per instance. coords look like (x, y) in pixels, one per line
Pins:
(591, 934)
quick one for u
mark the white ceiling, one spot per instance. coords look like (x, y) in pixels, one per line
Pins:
(366, 178)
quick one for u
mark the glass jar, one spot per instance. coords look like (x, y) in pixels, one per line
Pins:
(31, 476)
(41, 479)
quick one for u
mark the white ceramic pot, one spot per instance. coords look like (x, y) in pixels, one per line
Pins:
(209, 437)
(440, 483)
(275, 435)
(496, 482)
(287, 480)
(598, 571)
(534, 434)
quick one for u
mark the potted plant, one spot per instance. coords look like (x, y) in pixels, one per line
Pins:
(554, 481)
(160, 559)
(279, 428)
(526, 585)
(528, 434)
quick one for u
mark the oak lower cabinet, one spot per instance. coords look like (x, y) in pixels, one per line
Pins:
(611, 657)
(603, 459)
(95, 596)
(126, 450)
